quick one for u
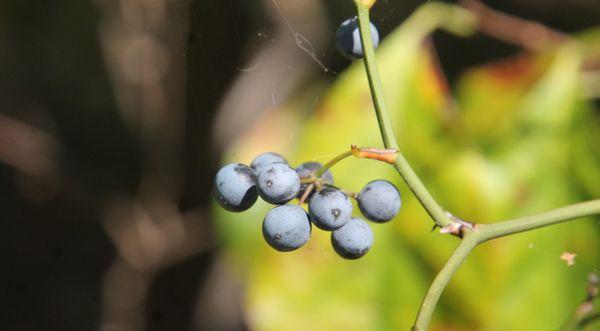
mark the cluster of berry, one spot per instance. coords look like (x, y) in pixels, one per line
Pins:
(288, 227)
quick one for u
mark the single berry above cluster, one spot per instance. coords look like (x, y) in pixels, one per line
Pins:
(288, 227)
(347, 38)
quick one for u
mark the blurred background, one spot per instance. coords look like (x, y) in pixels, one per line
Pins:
(116, 114)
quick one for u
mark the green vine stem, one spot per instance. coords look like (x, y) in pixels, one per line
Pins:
(389, 140)
(506, 228)
(471, 235)
(441, 280)
(385, 124)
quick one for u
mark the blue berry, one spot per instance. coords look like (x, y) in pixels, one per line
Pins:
(278, 183)
(348, 40)
(265, 159)
(235, 187)
(307, 169)
(330, 209)
(286, 228)
(353, 240)
(379, 201)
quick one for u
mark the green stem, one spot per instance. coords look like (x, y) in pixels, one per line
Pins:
(501, 229)
(385, 125)
(332, 163)
(441, 280)
(425, 198)
(404, 169)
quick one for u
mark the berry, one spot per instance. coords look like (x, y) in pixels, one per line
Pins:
(278, 183)
(307, 169)
(286, 228)
(265, 159)
(353, 240)
(235, 187)
(379, 201)
(348, 40)
(330, 209)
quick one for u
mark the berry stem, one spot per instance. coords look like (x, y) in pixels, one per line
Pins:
(333, 162)
(308, 180)
(353, 195)
(309, 189)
